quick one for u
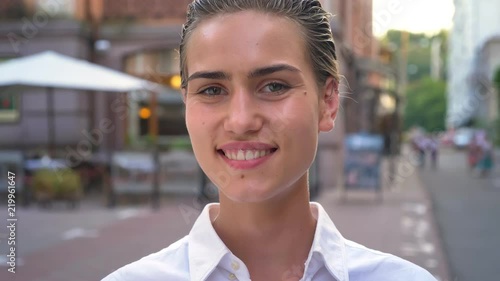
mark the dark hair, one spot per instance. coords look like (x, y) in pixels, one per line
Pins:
(308, 14)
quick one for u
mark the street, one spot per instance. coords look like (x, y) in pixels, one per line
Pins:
(467, 209)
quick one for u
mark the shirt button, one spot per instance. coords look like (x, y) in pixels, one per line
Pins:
(232, 276)
(235, 265)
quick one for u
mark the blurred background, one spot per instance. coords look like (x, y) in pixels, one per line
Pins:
(92, 126)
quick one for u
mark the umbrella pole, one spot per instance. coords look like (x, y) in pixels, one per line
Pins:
(155, 195)
(112, 199)
(50, 121)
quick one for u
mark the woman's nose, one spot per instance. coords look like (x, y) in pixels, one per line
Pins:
(243, 114)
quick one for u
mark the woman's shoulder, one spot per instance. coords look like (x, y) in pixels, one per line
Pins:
(381, 266)
(170, 263)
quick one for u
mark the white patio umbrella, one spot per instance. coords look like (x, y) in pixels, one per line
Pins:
(53, 70)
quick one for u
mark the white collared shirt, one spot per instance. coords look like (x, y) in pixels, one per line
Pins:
(202, 256)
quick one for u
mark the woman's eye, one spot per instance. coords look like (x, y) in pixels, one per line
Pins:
(275, 87)
(211, 91)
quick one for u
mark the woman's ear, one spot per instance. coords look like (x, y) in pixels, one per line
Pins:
(328, 105)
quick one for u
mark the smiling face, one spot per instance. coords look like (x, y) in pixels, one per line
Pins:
(253, 107)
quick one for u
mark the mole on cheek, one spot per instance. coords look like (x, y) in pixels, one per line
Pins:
(305, 93)
(242, 176)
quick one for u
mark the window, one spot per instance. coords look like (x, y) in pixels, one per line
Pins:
(159, 66)
(9, 105)
(58, 9)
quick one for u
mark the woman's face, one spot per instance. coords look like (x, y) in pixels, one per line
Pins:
(253, 107)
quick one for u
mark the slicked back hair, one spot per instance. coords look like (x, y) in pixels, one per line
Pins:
(308, 14)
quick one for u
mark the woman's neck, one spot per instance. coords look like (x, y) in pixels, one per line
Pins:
(275, 235)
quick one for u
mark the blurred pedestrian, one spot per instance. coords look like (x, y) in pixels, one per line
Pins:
(432, 145)
(473, 151)
(260, 81)
(485, 155)
(419, 144)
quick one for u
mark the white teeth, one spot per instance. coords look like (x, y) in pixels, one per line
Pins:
(246, 154)
(256, 154)
(249, 155)
(240, 156)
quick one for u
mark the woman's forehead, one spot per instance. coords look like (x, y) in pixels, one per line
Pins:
(245, 21)
(249, 37)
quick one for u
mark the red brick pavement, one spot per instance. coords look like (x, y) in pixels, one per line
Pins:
(88, 259)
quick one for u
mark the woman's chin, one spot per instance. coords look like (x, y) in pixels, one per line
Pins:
(260, 191)
(248, 194)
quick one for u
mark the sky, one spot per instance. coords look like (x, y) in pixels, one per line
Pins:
(427, 16)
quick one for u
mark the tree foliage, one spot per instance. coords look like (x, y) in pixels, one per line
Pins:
(419, 52)
(425, 98)
(426, 105)
(496, 79)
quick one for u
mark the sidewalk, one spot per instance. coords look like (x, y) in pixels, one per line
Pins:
(92, 257)
(403, 224)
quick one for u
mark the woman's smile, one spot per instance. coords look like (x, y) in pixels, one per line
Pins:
(246, 155)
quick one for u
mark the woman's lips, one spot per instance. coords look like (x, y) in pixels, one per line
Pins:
(245, 155)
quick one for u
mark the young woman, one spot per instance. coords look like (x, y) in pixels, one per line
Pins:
(260, 81)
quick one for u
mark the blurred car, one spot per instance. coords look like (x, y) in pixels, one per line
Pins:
(463, 138)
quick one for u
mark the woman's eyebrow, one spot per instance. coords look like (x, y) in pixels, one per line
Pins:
(272, 69)
(259, 72)
(209, 75)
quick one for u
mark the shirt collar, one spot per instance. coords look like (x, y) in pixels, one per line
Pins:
(329, 244)
(206, 249)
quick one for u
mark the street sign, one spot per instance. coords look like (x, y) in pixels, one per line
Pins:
(363, 158)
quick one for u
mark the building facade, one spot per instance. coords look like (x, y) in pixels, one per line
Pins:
(470, 94)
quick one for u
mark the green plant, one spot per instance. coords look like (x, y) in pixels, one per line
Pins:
(418, 51)
(496, 79)
(496, 132)
(426, 105)
(57, 184)
(181, 144)
(146, 142)
(496, 123)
